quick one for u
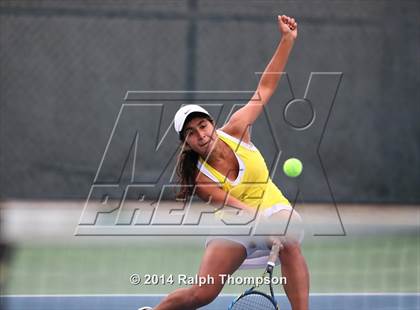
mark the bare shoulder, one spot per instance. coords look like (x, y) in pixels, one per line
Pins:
(202, 179)
(207, 189)
(239, 132)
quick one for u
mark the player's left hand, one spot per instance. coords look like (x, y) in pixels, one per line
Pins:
(287, 26)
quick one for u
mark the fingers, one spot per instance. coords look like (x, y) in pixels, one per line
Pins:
(289, 21)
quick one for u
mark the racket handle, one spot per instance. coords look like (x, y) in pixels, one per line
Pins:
(274, 253)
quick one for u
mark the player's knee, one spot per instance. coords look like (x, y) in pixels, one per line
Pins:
(203, 295)
(291, 250)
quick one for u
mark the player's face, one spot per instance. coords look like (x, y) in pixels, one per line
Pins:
(200, 135)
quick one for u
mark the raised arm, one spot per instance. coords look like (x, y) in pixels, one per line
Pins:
(246, 116)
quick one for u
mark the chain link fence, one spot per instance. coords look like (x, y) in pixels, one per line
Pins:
(66, 67)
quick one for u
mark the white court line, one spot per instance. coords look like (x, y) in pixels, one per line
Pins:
(222, 295)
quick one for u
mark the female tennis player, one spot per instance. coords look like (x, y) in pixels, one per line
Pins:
(227, 158)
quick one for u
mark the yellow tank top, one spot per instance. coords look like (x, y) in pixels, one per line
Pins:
(253, 185)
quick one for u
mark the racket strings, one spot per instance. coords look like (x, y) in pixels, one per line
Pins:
(253, 302)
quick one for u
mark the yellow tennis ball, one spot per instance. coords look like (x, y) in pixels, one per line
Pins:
(292, 167)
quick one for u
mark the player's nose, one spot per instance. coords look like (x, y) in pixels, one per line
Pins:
(201, 134)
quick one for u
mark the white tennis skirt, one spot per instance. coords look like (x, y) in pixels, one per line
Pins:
(257, 248)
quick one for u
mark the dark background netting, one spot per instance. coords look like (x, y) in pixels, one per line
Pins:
(65, 68)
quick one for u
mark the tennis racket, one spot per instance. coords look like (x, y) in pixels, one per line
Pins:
(252, 299)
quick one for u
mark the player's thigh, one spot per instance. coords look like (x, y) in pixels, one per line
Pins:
(286, 224)
(221, 257)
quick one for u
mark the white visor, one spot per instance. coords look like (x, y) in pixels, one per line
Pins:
(183, 113)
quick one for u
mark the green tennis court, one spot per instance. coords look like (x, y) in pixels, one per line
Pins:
(344, 264)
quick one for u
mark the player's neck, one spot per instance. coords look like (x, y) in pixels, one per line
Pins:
(219, 153)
